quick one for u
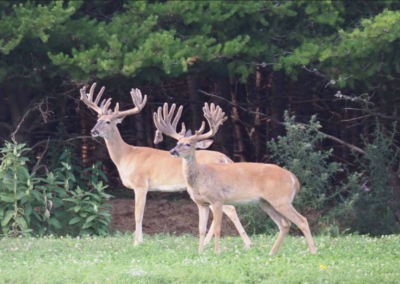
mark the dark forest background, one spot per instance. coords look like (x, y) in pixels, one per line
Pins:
(332, 62)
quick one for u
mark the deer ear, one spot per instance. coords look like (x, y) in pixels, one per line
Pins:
(119, 120)
(204, 144)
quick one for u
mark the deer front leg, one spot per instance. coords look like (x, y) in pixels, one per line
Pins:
(140, 202)
(217, 214)
(203, 218)
(210, 231)
(230, 211)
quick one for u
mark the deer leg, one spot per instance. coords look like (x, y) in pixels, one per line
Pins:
(203, 218)
(289, 212)
(280, 220)
(217, 215)
(210, 231)
(230, 211)
(140, 202)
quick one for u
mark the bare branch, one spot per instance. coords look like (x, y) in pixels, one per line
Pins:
(37, 166)
(353, 147)
(315, 71)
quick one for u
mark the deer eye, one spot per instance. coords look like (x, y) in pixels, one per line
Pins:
(187, 144)
(108, 122)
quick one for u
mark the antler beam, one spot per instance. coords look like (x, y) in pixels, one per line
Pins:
(88, 98)
(215, 118)
(138, 100)
(164, 124)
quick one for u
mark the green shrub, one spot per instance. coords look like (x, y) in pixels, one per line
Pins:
(50, 204)
(16, 185)
(319, 189)
(373, 212)
(297, 152)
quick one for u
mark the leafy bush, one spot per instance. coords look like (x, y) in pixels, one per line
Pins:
(297, 152)
(16, 185)
(320, 192)
(50, 204)
(372, 212)
(255, 221)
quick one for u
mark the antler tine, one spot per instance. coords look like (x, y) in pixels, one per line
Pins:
(116, 109)
(162, 120)
(99, 95)
(88, 98)
(106, 106)
(183, 130)
(215, 118)
(138, 101)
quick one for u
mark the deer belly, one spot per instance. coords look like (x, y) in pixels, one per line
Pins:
(168, 188)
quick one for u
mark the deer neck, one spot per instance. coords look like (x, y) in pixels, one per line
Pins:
(191, 170)
(117, 148)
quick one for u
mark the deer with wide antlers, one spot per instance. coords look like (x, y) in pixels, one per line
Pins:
(146, 169)
(273, 187)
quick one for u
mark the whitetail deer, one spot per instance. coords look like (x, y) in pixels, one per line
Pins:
(145, 169)
(273, 187)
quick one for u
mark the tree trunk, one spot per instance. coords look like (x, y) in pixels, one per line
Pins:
(238, 139)
(139, 127)
(278, 103)
(222, 89)
(196, 103)
(85, 143)
(257, 118)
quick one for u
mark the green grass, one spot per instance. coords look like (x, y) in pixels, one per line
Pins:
(164, 259)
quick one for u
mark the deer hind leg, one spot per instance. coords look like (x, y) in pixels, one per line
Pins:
(140, 202)
(203, 218)
(289, 212)
(281, 221)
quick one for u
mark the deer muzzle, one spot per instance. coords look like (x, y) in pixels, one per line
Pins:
(174, 153)
(94, 133)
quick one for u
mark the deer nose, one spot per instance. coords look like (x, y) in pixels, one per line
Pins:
(94, 132)
(174, 153)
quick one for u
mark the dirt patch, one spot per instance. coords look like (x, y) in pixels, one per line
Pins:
(163, 216)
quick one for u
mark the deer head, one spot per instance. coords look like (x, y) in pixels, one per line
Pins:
(107, 120)
(188, 143)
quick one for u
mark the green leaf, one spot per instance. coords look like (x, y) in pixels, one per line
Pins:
(105, 213)
(75, 220)
(87, 225)
(73, 200)
(37, 216)
(77, 208)
(23, 171)
(103, 221)
(20, 195)
(38, 195)
(7, 197)
(71, 176)
(103, 175)
(102, 231)
(55, 223)
(7, 217)
(57, 202)
(28, 209)
(24, 199)
(91, 218)
(22, 222)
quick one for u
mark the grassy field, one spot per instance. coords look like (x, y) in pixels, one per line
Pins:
(164, 259)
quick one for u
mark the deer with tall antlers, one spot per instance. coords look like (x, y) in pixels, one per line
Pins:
(146, 169)
(273, 187)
